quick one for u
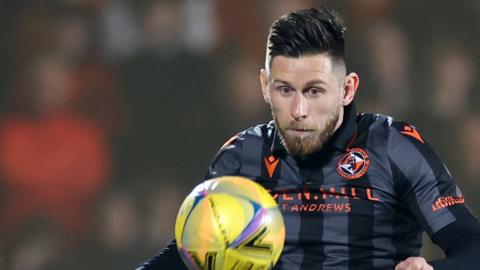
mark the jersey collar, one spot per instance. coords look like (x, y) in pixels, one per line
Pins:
(340, 140)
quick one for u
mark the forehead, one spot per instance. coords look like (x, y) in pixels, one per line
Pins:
(309, 65)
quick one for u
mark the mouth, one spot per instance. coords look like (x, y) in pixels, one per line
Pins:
(299, 131)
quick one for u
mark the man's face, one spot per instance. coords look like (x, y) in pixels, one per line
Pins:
(306, 95)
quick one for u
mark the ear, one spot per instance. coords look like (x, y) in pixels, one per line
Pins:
(264, 84)
(350, 88)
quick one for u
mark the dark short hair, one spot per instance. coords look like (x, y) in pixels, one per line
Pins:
(307, 32)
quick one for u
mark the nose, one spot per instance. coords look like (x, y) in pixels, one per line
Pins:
(299, 110)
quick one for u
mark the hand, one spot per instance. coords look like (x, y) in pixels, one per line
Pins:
(414, 263)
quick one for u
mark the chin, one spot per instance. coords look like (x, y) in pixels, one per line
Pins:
(302, 147)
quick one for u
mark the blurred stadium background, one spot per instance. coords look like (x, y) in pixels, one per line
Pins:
(111, 110)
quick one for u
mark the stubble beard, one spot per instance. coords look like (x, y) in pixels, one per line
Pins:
(302, 146)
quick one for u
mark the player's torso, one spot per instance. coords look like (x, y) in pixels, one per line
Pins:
(341, 208)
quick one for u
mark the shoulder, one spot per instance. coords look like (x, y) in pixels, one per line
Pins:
(259, 133)
(406, 149)
(388, 127)
(243, 147)
(375, 121)
(247, 141)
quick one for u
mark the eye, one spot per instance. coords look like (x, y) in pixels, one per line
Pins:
(284, 90)
(314, 92)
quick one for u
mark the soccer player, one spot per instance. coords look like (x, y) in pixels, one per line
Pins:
(356, 190)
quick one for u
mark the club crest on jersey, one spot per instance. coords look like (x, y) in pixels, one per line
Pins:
(354, 164)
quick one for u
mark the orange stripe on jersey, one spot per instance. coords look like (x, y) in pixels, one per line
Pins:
(229, 141)
(408, 130)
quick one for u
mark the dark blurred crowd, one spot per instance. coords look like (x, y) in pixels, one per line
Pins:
(111, 110)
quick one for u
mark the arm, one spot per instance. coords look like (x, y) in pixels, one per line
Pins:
(460, 241)
(430, 193)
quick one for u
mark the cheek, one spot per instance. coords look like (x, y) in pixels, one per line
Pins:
(279, 113)
(323, 109)
(279, 106)
(322, 106)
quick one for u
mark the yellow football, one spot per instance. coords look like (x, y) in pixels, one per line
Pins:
(229, 222)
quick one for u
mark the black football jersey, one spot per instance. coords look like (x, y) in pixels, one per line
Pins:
(359, 202)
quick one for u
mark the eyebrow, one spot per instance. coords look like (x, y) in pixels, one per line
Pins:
(280, 81)
(313, 82)
(309, 83)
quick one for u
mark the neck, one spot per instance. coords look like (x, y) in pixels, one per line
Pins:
(340, 119)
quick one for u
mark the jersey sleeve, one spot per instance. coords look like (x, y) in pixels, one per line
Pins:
(463, 250)
(227, 161)
(422, 180)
